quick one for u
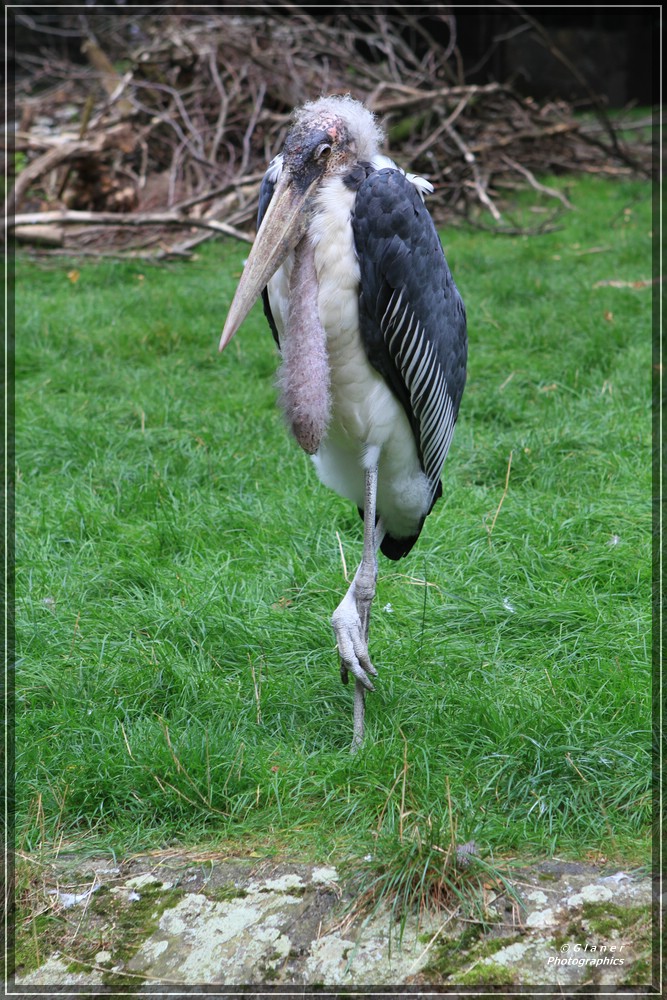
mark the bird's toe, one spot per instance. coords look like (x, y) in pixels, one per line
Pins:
(352, 648)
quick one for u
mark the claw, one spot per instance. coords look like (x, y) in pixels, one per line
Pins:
(352, 645)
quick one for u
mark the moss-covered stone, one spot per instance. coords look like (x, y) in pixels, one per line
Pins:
(118, 937)
(605, 917)
(488, 974)
(77, 966)
(36, 939)
(576, 932)
(453, 957)
(132, 923)
(638, 973)
(224, 893)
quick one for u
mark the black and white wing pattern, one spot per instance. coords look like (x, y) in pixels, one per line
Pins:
(412, 318)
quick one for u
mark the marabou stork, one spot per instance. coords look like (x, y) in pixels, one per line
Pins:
(372, 332)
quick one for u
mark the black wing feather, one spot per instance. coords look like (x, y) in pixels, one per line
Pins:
(412, 318)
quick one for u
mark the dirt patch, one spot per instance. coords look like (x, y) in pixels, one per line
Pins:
(202, 920)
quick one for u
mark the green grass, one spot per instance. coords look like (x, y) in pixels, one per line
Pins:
(177, 564)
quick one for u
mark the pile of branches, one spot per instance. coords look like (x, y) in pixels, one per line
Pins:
(160, 139)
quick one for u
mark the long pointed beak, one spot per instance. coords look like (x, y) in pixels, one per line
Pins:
(282, 227)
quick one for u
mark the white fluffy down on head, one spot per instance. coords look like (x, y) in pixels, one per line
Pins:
(361, 122)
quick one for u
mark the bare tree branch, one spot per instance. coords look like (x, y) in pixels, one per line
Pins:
(74, 218)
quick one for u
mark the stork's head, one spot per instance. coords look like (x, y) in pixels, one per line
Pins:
(326, 138)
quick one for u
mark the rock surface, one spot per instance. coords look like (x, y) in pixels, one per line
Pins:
(199, 920)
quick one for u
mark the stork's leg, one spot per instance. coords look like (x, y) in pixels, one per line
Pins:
(351, 619)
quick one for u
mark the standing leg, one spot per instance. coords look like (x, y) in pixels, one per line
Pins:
(351, 618)
(365, 593)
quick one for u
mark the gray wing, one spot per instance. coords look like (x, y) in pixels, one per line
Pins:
(412, 318)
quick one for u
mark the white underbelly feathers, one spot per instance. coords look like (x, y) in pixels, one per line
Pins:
(366, 418)
(365, 414)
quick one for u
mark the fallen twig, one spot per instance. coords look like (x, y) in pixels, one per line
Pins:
(73, 218)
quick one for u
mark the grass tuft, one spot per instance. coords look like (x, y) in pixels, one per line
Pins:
(418, 867)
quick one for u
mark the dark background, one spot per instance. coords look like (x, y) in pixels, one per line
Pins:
(612, 51)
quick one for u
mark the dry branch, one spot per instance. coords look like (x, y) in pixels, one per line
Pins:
(73, 218)
(116, 137)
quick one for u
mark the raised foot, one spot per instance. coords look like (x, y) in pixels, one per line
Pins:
(352, 642)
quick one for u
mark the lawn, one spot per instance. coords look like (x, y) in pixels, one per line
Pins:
(177, 563)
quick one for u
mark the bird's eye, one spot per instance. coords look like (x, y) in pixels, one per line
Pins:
(322, 151)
